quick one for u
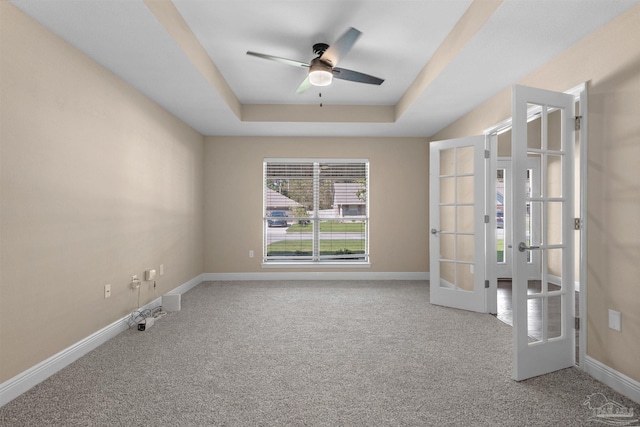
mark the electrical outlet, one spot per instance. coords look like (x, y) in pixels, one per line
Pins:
(251, 253)
(107, 291)
(135, 282)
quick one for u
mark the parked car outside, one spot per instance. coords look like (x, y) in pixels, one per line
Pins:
(281, 220)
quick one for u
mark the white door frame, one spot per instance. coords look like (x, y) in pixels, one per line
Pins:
(581, 98)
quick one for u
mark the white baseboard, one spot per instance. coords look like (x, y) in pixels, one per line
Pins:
(187, 286)
(316, 275)
(616, 380)
(22, 382)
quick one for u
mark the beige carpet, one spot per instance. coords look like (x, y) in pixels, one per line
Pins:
(308, 353)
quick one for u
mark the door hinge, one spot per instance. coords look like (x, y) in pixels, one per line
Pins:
(486, 284)
(577, 320)
(578, 122)
(577, 224)
(486, 219)
(487, 154)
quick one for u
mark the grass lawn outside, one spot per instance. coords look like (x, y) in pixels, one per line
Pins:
(329, 227)
(305, 247)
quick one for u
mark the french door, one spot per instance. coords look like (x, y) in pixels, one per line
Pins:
(543, 302)
(463, 260)
(458, 222)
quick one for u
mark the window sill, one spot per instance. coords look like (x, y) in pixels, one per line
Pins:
(316, 265)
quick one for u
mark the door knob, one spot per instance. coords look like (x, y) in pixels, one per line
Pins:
(523, 247)
(434, 231)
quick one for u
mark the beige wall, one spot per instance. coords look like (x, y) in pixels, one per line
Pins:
(609, 60)
(97, 184)
(399, 174)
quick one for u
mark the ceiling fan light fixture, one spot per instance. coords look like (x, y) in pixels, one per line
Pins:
(320, 77)
(320, 73)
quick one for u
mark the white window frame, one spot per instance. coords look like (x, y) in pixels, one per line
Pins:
(315, 260)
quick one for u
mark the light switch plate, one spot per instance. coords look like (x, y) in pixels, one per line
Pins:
(107, 291)
(615, 320)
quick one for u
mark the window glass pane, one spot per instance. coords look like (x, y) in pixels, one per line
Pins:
(534, 131)
(464, 277)
(465, 219)
(281, 244)
(447, 274)
(316, 211)
(534, 319)
(447, 218)
(554, 176)
(533, 223)
(447, 246)
(554, 134)
(447, 158)
(342, 239)
(554, 223)
(465, 187)
(286, 199)
(342, 199)
(534, 286)
(447, 190)
(553, 259)
(533, 179)
(500, 200)
(554, 321)
(464, 160)
(465, 247)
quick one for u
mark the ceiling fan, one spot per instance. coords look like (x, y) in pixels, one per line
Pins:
(322, 69)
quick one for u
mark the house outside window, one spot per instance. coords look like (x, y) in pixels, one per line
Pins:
(316, 211)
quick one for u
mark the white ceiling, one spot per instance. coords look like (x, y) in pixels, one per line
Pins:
(399, 39)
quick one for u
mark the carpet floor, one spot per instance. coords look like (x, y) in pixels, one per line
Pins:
(309, 354)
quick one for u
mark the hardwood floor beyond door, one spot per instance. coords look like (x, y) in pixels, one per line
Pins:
(505, 309)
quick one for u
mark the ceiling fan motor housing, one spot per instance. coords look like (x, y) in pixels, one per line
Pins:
(320, 48)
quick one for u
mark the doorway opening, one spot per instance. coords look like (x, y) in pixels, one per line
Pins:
(464, 225)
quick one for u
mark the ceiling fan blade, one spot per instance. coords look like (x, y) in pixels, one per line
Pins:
(341, 47)
(278, 59)
(306, 84)
(354, 76)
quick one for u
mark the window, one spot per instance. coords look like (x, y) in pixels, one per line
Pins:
(316, 211)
